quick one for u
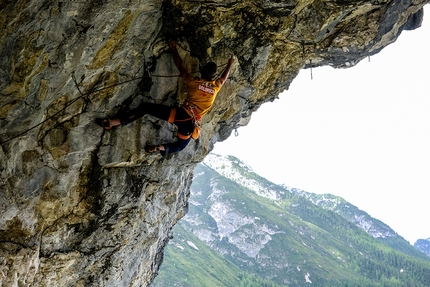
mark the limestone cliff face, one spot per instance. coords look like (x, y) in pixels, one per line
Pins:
(80, 206)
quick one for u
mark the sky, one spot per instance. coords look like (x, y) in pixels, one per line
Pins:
(362, 133)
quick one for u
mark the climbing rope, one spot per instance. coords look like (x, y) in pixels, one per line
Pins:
(82, 95)
(76, 83)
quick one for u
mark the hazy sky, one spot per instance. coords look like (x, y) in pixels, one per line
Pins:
(361, 133)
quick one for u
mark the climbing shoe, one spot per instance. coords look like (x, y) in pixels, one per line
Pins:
(151, 148)
(104, 123)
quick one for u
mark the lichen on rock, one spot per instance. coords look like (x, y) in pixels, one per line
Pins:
(80, 206)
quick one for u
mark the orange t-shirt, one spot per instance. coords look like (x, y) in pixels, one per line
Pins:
(201, 93)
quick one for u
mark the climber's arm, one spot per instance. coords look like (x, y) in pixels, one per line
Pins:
(226, 72)
(177, 59)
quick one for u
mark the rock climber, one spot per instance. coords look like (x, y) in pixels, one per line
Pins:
(201, 94)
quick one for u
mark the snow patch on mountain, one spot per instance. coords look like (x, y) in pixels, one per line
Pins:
(227, 219)
(363, 220)
(192, 245)
(225, 166)
(216, 191)
(240, 230)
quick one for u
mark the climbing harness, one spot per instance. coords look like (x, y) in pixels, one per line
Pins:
(197, 118)
(172, 119)
(82, 95)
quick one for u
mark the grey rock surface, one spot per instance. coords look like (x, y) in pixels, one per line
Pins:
(80, 206)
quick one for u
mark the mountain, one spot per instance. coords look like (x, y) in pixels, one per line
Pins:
(243, 230)
(423, 245)
(363, 220)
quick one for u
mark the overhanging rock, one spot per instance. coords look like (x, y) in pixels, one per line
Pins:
(85, 207)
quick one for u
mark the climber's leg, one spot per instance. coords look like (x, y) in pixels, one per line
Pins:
(175, 146)
(185, 128)
(156, 110)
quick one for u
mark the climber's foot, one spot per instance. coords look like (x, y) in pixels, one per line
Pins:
(151, 148)
(108, 123)
(154, 148)
(104, 123)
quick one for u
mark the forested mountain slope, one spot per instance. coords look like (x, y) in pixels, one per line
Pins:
(243, 229)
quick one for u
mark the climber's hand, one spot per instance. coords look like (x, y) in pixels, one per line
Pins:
(172, 44)
(231, 60)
